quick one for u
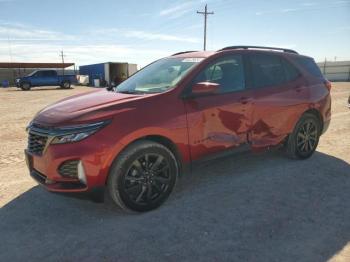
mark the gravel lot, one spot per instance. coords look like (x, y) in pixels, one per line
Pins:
(251, 207)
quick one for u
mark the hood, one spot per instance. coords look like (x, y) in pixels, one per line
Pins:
(87, 107)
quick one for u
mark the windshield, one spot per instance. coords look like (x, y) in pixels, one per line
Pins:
(158, 77)
(32, 73)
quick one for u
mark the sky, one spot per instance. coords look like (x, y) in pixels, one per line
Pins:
(143, 31)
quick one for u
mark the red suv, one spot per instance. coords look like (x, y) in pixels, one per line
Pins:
(137, 138)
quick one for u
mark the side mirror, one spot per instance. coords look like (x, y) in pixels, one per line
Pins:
(111, 86)
(205, 88)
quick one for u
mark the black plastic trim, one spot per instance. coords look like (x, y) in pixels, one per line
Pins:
(259, 47)
(185, 52)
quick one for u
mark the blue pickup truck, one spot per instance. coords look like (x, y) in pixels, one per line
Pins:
(45, 78)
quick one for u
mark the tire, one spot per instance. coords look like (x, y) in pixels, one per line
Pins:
(26, 86)
(302, 143)
(66, 84)
(143, 176)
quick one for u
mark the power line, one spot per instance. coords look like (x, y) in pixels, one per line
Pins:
(205, 13)
(62, 57)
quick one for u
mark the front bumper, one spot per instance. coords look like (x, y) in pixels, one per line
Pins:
(94, 155)
(70, 189)
(46, 173)
(57, 186)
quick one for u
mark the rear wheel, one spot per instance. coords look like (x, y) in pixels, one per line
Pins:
(25, 86)
(143, 176)
(66, 85)
(303, 142)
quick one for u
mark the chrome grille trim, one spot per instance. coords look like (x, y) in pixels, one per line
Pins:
(37, 143)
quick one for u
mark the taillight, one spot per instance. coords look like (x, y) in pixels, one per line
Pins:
(328, 85)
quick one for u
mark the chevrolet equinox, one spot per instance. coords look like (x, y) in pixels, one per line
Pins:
(135, 139)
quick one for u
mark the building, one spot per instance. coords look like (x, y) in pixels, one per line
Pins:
(108, 72)
(335, 71)
(11, 71)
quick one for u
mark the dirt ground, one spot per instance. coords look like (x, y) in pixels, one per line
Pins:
(251, 207)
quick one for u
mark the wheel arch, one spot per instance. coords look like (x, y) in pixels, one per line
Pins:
(312, 111)
(315, 112)
(26, 82)
(168, 143)
(161, 139)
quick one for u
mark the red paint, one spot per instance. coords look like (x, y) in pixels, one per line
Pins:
(197, 126)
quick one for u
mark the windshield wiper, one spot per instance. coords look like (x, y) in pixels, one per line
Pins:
(131, 92)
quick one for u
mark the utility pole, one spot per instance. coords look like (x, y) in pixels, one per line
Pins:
(205, 13)
(62, 57)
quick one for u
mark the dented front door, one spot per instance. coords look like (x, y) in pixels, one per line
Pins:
(222, 120)
(218, 122)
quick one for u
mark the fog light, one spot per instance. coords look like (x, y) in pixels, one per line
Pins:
(69, 169)
(49, 181)
(81, 173)
(73, 169)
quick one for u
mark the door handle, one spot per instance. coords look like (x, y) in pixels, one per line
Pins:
(245, 100)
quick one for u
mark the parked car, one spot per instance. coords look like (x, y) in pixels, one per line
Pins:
(138, 138)
(45, 78)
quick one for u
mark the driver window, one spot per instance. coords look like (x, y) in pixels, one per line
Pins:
(37, 74)
(228, 72)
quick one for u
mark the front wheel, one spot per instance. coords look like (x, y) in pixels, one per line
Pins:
(303, 142)
(25, 86)
(143, 176)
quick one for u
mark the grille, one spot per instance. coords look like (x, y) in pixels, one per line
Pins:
(36, 143)
(69, 169)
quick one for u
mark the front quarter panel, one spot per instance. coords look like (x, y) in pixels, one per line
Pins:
(161, 115)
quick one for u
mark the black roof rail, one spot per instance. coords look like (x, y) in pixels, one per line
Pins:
(259, 47)
(185, 52)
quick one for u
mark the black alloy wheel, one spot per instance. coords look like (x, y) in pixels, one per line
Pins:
(147, 179)
(143, 176)
(303, 141)
(307, 137)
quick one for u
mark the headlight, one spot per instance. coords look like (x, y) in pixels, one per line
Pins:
(76, 133)
(71, 138)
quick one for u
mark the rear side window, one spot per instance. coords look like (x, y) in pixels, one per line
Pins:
(309, 65)
(43, 73)
(267, 70)
(50, 73)
(291, 71)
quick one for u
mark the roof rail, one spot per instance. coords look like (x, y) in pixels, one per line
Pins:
(185, 52)
(259, 47)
